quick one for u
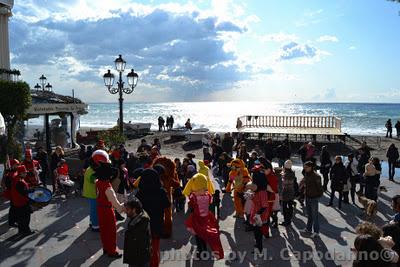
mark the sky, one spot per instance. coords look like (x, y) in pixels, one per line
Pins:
(221, 50)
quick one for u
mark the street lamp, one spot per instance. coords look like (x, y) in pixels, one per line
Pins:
(132, 79)
(45, 87)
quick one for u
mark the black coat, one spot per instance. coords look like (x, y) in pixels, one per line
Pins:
(339, 176)
(269, 151)
(392, 154)
(326, 162)
(137, 244)
(283, 152)
(154, 200)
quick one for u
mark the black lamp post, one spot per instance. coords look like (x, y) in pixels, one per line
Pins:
(132, 78)
(45, 87)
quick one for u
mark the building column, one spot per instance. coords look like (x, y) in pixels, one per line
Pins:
(5, 13)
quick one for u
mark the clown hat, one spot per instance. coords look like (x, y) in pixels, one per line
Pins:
(100, 156)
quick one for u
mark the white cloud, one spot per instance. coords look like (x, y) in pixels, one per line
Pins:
(352, 47)
(278, 37)
(328, 38)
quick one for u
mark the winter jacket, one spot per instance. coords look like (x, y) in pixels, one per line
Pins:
(283, 152)
(339, 176)
(269, 152)
(326, 162)
(392, 154)
(154, 200)
(137, 244)
(313, 185)
(227, 144)
(288, 187)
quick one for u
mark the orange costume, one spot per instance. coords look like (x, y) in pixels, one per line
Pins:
(238, 178)
(170, 181)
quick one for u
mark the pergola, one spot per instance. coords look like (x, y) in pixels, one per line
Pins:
(46, 103)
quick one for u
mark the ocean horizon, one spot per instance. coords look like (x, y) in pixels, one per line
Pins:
(357, 118)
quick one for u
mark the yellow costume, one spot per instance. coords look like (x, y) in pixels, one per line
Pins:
(238, 178)
(203, 169)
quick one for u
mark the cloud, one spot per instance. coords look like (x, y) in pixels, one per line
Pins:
(328, 96)
(279, 37)
(328, 38)
(294, 50)
(180, 48)
(352, 47)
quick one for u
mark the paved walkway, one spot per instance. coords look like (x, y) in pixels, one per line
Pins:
(63, 238)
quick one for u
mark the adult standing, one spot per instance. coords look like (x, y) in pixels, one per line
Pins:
(389, 128)
(338, 175)
(188, 125)
(352, 169)
(154, 200)
(310, 152)
(397, 126)
(313, 191)
(227, 143)
(326, 164)
(371, 180)
(42, 157)
(393, 155)
(56, 157)
(269, 150)
(283, 153)
(106, 203)
(33, 168)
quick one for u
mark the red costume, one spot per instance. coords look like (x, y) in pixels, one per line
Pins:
(107, 221)
(203, 224)
(32, 168)
(63, 169)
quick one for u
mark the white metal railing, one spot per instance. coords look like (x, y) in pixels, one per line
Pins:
(291, 121)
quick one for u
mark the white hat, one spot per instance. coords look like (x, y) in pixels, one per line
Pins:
(288, 164)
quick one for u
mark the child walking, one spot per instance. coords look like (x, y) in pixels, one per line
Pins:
(201, 222)
(259, 216)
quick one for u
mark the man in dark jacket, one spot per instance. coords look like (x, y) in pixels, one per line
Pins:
(397, 126)
(282, 153)
(339, 177)
(313, 192)
(389, 128)
(393, 155)
(269, 150)
(227, 143)
(137, 244)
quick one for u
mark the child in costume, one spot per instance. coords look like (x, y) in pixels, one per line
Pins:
(259, 216)
(106, 202)
(154, 200)
(32, 168)
(6, 183)
(89, 192)
(63, 174)
(273, 195)
(20, 201)
(201, 221)
(238, 178)
(248, 205)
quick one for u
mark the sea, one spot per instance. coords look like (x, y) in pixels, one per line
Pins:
(357, 118)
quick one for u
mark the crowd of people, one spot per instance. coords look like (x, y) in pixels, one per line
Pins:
(148, 188)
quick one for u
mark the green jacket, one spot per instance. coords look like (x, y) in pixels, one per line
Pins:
(89, 185)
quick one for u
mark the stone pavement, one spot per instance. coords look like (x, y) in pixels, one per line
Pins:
(63, 237)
